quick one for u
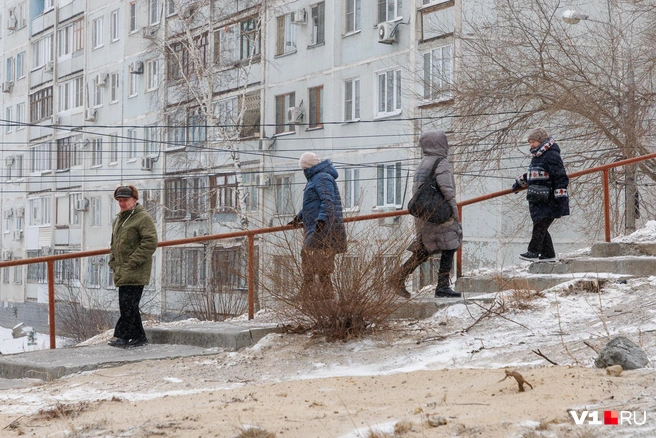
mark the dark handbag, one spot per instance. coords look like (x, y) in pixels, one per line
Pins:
(537, 193)
(428, 203)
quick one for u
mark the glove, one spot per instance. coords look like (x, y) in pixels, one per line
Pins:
(520, 183)
(516, 187)
(296, 222)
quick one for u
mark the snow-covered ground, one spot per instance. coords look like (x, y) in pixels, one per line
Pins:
(40, 341)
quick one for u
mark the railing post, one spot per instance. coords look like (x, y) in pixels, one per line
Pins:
(606, 205)
(459, 253)
(51, 302)
(251, 276)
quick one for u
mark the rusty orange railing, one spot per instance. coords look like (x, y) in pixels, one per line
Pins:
(250, 235)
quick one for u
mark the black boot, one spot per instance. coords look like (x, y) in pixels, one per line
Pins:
(443, 289)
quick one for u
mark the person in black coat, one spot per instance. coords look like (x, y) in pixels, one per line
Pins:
(547, 196)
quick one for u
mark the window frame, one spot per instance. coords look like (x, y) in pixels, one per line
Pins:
(385, 181)
(437, 85)
(97, 31)
(315, 107)
(283, 103)
(352, 105)
(353, 8)
(318, 24)
(383, 94)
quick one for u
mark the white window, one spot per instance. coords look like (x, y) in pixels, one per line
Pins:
(97, 33)
(152, 75)
(73, 213)
(113, 88)
(352, 15)
(388, 93)
(351, 99)
(96, 151)
(70, 39)
(39, 211)
(177, 132)
(113, 148)
(227, 113)
(95, 207)
(42, 51)
(20, 116)
(283, 103)
(283, 195)
(228, 49)
(97, 94)
(170, 7)
(132, 143)
(113, 26)
(133, 16)
(196, 127)
(153, 11)
(9, 126)
(318, 13)
(7, 215)
(19, 223)
(132, 85)
(388, 10)
(150, 141)
(250, 181)
(438, 71)
(9, 77)
(351, 187)
(286, 35)
(20, 65)
(388, 185)
(71, 94)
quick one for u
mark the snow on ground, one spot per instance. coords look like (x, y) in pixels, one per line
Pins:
(10, 345)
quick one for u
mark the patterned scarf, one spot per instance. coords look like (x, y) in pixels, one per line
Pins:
(544, 147)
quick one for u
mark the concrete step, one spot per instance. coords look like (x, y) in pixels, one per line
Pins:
(637, 266)
(617, 249)
(504, 282)
(423, 306)
(211, 335)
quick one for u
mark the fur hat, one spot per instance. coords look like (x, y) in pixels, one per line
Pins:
(308, 160)
(540, 135)
(126, 192)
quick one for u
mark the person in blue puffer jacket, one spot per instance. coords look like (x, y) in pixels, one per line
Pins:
(546, 171)
(323, 226)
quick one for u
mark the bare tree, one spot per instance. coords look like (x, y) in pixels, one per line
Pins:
(523, 66)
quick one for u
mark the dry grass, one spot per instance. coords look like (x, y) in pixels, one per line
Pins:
(63, 410)
(254, 432)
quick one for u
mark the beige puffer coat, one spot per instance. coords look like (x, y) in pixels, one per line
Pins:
(437, 237)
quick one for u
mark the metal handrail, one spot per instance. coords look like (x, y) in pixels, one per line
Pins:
(250, 234)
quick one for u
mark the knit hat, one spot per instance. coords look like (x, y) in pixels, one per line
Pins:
(540, 135)
(126, 192)
(308, 160)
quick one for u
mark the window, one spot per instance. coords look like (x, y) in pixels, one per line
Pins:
(250, 181)
(283, 195)
(318, 23)
(67, 271)
(153, 11)
(97, 33)
(389, 92)
(95, 207)
(227, 112)
(388, 10)
(351, 100)
(42, 51)
(97, 94)
(225, 189)
(96, 267)
(113, 88)
(250, 38)
(184, 267)
(71, 94)
(352, 15)
(40, 158)
(96, 151)
(388, 185)
(113, 26)
(20, 65)
(7, 214)
(132, 143)
(9, 77)
(18, 273)
(5, 275)
(68, 152)
(39, 210)
(36, 272)
(9, 126)
(177, 60)
(73, 214)
(283, 103)
(113, 148)
(20, 116)
(316, 107)
(170, 7)
(285, 35)
(351, 187)
(70, 39)
(152, 75)
(151, 139)
(438, 73)
(177, 132)
(185, 198)
(132, 85)
(41, 105)
(132, 9)
(196, 127)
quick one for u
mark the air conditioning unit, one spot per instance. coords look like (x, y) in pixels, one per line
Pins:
(6, 254)
(299, 17)
(82, 204)
(387, 32)
(18, 235)
(295, 114)
(9, 161)
(186, 11)
(90, 115)
(136, 67)
(12, 22)
(54, 119)
(8, 213)
(149, 31)
(19, 211)
(101, 79)
(7, 86)
(48, 66)
(147, 163)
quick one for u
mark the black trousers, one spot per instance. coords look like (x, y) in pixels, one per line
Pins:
(419, 257)
(129, 324)
(541, 242)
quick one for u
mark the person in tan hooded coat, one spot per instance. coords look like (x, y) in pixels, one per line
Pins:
(432, 238)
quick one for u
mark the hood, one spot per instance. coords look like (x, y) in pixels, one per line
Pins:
(325, 166)
(434, 143)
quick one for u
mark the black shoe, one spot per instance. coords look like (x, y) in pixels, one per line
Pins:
(446, 292)
(546, 259)
(118, 342)
(137, 342)
(530, 256)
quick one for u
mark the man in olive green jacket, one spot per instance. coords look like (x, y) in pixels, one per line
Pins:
(134, 240)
